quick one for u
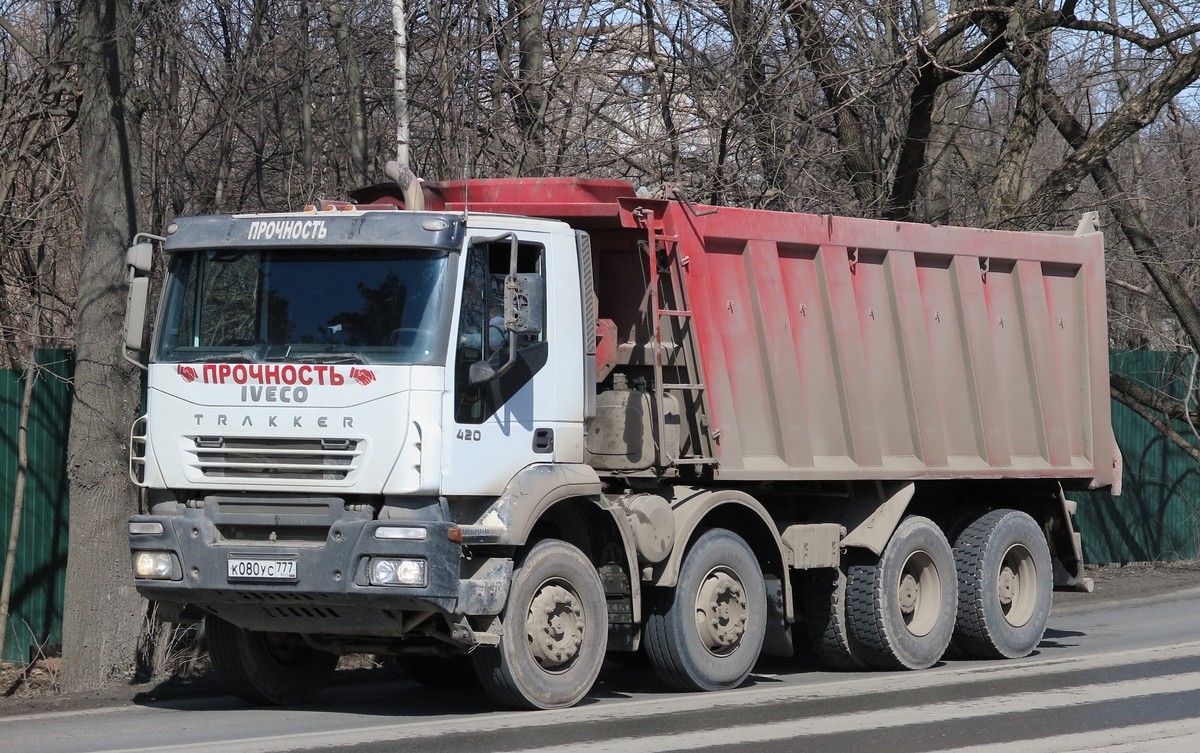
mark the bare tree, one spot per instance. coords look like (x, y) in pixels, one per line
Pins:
(104, 613)
(400, 29)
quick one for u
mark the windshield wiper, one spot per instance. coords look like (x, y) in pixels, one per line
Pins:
(240, 356)
(324, 357)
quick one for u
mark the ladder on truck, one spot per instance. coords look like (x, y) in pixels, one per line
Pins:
(674, 314)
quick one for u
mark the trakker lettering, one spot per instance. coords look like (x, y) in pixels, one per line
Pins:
(287, 230)
(291, 422)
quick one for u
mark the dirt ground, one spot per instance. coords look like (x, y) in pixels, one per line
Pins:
(35, 688)
(1133, 581)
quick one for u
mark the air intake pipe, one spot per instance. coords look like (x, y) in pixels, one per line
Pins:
(410, 185)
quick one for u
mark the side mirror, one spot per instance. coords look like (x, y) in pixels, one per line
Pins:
(524, 303)
(135, 312)
(140, 256)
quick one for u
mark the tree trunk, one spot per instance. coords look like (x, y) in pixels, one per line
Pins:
(531, 90)
(400, 80)
(1031, 58)
(857, 160)
(307, 142)
(14, 531)
(664, 91)
(103, 614)
(339, 23)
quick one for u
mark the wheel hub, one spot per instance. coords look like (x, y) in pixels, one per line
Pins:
(1017, 585)
(910, 593)
(1008, 586)
(917, 593)
(555, 627)
(721, 612)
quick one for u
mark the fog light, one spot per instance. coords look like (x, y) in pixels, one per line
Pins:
(156, 565)
(389, 572)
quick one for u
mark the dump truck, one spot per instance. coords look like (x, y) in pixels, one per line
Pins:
(500, 429)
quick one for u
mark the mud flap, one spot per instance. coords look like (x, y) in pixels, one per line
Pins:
(1066, 546)
(778, 640)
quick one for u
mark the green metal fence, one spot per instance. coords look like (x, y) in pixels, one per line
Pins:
(1157, 516)
(37, 592)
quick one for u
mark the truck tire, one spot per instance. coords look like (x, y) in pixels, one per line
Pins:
(903, 607)
(1005, 585)
(826, 625)
(555, 632)
(266, 668)
(707, 632)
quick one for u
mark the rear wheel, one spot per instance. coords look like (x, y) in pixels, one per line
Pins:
(707, 632)
(1005, 585)
(266, 668)
(825, 622)
(555, 632)
(902, 609)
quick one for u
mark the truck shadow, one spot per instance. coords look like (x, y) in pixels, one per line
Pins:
(366, 693)
(380, 692)
(1055, 639)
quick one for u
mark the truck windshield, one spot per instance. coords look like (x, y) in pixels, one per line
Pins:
(341, 305)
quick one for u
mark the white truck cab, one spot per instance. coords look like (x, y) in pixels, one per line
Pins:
(336, 400)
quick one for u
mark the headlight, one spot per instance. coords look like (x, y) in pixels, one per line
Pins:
(395, 572)
(156, 565)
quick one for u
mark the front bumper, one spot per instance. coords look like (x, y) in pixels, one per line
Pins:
(331, 593)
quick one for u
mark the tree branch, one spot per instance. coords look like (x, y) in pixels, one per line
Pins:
(1160, 425)
(1092, 150)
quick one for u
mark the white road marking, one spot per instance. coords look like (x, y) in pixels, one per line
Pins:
(903, 716)
(352, 734)
(1178, 737)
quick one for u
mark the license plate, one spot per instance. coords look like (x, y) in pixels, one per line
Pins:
(259, 568)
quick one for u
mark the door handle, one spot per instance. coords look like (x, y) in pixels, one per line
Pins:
(543, 441)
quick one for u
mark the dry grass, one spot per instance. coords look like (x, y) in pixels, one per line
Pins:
(36, 678)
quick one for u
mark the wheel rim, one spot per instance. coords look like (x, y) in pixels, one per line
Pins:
(1016, 585)
(555, 626)
(721, 612)
(917, 593)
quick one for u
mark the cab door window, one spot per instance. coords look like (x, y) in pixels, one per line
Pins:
(482, 334)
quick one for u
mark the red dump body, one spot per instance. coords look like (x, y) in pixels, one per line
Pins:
(838, 348)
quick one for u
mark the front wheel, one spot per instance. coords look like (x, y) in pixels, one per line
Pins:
(1005, 585)
(555, 632)
(266, 668)
(707, 632)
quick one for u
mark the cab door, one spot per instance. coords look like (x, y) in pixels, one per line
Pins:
(496, 428)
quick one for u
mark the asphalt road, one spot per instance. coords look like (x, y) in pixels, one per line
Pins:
(1118, 676)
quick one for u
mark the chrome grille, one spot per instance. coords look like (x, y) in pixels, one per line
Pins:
(309, 459)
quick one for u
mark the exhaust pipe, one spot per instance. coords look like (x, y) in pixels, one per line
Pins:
(410, 185)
